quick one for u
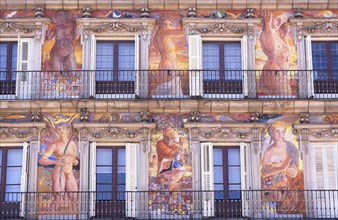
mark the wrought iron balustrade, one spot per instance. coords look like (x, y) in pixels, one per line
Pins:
(169, 84)
(259, 204)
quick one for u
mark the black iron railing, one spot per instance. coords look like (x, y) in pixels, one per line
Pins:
(170, 84)
(258, 204)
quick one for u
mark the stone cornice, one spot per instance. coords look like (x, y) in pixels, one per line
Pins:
(315, 26)
(31, 26)
(211, 26)
(119, 26)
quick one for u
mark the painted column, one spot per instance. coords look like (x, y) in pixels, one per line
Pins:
(251, 65)
(196, 167)
(144, 63)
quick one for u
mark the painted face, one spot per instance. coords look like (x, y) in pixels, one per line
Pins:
(167, 24)
(278, 133)
(166, 164)
(62, 130)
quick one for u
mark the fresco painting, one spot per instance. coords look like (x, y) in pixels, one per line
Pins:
(168, 52)
(169, 171)
(282, 169)
(275, 55)
(62, 57)
(58, 170)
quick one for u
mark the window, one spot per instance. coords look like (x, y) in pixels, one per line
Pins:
(10, 181)
(227, 180)
(8, 67)
(115, 64)
(227, 172)
(110, 180)
(325, 65)
(222, 64)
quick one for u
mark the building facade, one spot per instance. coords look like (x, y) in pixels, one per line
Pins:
(144, 109)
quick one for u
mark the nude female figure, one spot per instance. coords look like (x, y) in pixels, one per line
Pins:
(167, 82)
(274, 79)
(62, 55)
(63, 179)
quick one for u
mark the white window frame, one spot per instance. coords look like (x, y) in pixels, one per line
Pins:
(132, 150)
(309, 64)
(93, 41)
(243, 40)
(24, 173)
(207, 177)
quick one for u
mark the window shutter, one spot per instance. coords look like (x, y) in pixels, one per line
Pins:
(23, 187)
(131, 179)
(92, 74)
(137, 65)
(207, 173)
(325, 177)
(195, 65)
(245, 181)
(309, 66)
(244, 55)
(92, 176)
(24, 63)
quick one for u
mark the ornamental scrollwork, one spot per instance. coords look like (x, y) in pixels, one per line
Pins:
(333, 132)
(218, 28)
(17, 27)
(32, 132)
(315, 26)
(117, 133)
(224, 133)
(114, 27)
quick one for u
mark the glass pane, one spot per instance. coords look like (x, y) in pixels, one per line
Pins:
(334, 51)
(0, 158)
(234, 191)
(211, 61)
(104, 60)
(104, 157)
(13, 193)
(121, 169)
(232, 56)
(319, 60)
(219, 191)
(3, 60)
(234, 174)
(13, 175)
(103, 178)
(14, 60)
(14, 157)
(121, 178)
(234, 157)
(218, 175)
(103, 192)
(218, 156)
(126, 61)
(121, 192)
(104, 170)
(121, 155)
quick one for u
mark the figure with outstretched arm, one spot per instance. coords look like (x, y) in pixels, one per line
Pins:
(274, 79)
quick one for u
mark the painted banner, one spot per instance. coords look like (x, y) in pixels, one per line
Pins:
(62, 57)
(282, 169)
(168, 53)
(58, 170)
(276, 55)
(170, 174)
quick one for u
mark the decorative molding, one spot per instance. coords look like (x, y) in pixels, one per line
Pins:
(304, 117)
(84, 115)
(27, 131)
(316, 132)
(113, 130)
(106, 25)
(195, 116)
(35, 26)
(210, 26)
(315, 26)
(255, 117)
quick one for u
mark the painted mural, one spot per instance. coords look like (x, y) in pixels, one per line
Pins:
(168, 52)
(282, 169)
(170, 168)
(61, 56)
(275, 54)
(58, 170)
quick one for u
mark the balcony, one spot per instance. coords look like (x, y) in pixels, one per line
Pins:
(169, 84)
(263, 204)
